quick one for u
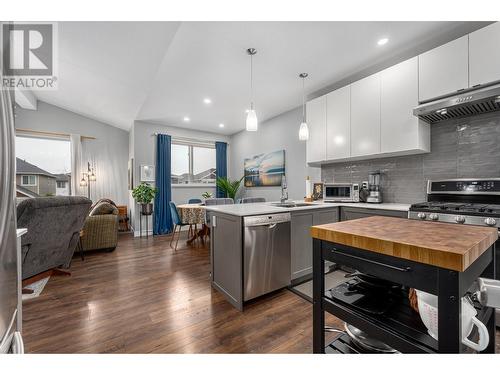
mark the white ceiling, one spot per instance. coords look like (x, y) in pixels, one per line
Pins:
(118, 72)
(106, 69)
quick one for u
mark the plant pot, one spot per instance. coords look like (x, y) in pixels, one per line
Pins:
(147, 208)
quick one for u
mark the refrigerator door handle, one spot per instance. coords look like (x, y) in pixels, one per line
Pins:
(17, 343)
(6, 341)
(9, 295)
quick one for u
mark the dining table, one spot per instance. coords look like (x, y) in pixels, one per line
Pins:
(194, 214)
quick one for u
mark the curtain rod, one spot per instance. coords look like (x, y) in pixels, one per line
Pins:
(187, 139)
(52, 134)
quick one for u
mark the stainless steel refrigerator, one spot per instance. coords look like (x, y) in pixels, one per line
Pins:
(10, 338)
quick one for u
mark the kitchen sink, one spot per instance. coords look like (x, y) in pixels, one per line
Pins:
(293, 204)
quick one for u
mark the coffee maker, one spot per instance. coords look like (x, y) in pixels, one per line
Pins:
(375, 195)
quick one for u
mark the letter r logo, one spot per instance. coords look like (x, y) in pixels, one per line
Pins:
(28, 49)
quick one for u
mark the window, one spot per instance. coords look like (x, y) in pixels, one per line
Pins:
(193, 163)
(44, 164)
(29, 180)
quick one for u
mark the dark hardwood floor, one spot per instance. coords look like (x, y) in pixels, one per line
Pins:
(146, 298)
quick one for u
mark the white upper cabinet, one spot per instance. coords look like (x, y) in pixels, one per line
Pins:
(400, 129)
(365, 116)
(338, 124)
(316, 121)
(484, 55)
(444, 70)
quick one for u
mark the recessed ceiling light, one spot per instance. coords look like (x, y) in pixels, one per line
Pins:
(186, 119)
(382, 41)
(207, 100)
(221, 125)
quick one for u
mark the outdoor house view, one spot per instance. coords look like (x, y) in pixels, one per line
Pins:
(193, 164)
(43, 167)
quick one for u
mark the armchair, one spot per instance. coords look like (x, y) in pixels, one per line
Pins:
(100, 230)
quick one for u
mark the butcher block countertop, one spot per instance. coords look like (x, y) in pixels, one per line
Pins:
(449, 246)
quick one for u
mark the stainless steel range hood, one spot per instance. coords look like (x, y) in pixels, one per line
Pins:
(475, 102)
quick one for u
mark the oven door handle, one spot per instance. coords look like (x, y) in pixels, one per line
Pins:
(400, 269)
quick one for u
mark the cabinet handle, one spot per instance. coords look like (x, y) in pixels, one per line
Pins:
(400, 269)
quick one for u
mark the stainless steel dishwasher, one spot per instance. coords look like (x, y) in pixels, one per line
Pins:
(266, 254)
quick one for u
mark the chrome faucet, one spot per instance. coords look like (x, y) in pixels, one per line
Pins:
(284, 192)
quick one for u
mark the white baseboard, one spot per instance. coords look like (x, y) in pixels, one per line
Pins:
(138, 233)
(150, 231)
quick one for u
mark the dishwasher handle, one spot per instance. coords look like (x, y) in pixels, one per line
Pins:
(266, 220)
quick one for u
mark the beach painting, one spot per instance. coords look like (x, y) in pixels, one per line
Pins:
(265, 169)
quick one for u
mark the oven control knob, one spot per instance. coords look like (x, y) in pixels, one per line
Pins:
(433, 216)
(460, 219)
(490, 221)
(421, 215)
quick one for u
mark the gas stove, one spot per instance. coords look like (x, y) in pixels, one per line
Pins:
(461, 201)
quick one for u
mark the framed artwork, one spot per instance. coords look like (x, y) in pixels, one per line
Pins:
(317, 193)
(265, 169)
(147, 173)
(130, 174)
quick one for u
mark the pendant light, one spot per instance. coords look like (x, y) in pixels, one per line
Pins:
(303, 130)
(252, 123)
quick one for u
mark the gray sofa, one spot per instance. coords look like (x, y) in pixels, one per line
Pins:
(54, 225)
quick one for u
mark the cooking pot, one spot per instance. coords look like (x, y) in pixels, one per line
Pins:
(365, 342)
(428, 310)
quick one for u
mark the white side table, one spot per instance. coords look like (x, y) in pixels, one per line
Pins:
(20, 233)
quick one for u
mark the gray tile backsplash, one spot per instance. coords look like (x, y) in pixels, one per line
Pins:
(468, 147)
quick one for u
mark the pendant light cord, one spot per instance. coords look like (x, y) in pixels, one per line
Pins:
(251, 82)
(303, 100)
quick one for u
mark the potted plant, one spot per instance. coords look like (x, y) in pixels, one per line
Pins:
(207, 195)
(144, 195)
(230, 188)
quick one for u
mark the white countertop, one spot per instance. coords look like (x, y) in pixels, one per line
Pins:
(251, 209)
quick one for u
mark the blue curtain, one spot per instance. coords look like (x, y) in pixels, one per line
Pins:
(221, 164)
(163, 220)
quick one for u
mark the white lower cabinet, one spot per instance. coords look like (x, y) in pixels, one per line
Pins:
(400, 130)
(365, 116)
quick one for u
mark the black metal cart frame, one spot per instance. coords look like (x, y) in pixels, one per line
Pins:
(448, 285)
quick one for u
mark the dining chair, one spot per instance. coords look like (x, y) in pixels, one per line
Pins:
(216, 202)
(177, 223)
(252, 200)
(193, 201)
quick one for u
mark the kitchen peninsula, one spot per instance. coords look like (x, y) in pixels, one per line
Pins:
(437, 258)
(260, 247)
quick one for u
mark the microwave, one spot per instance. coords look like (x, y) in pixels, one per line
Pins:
(338, 192)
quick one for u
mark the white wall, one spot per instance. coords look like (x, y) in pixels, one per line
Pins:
(278, 133)
(144, 153)
(109, 149)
